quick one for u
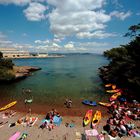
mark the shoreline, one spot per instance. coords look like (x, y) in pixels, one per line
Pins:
(26, 57)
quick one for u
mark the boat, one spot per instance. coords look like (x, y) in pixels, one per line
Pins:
(88, 117)
(88, 102)
(113, 90)
(104, 104)
(113, 86)
(96, 118)
(115, 96)
(8, 105)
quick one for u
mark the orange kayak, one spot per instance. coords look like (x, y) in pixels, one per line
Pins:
(113, 86)
(115, 96)
(96, 118)
(104, 104)
(88, 117)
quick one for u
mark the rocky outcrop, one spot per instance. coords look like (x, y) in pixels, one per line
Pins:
(24, 71)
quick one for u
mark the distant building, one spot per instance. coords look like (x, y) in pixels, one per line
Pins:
(42, 55)
(14, 53)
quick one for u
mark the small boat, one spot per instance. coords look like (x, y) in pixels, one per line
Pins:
(88, 102)
(96, 118)
(115, 96)
(113, 90)
(8, 106)
(88, 117)
(104, 104)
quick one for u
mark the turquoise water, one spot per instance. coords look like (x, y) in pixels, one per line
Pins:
(74, 76)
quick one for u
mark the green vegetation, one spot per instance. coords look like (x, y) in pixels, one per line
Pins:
(124, 66)
(6, 69)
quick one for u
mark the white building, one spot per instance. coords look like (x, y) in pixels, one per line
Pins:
(14, 53)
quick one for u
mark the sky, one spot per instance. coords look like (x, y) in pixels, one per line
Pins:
(66, 26)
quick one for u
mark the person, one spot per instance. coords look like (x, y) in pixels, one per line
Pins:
(43, 125)
(107, 128)
(70, 103)
(47, 116)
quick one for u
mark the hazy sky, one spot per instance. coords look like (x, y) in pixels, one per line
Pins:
(66, 25)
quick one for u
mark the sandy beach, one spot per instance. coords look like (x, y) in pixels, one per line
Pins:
(58, 133)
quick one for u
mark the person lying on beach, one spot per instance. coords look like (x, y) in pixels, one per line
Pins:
(8, 114)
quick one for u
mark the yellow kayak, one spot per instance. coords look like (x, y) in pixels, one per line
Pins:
(115, 96)
(108, 85)
(8, 106)
(96, 118)
(104, 104)
(113, 90)
(88, 117)
(113, 86)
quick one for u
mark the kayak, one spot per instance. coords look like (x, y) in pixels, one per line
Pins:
(113, 86)
(15, 136)
(115, 96)
(122, 99)
(104, 104)
(96, 118)
(113, 90)
(88, 102)
(108, 85)
(23, 137)
(88, 117)
(8, 106)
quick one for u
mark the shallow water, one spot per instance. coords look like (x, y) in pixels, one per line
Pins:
(74, 76)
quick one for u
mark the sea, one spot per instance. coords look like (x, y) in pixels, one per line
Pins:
(75, 77)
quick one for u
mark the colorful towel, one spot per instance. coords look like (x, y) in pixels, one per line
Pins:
(15, 136)
(57, 120)
(92, 132)
(100, 137)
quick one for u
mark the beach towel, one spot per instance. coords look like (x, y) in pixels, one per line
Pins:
(112, 138)
(4, 116)
(29, 121)
(78, 135)
(135, 133)
(57, 120)
(92, 132)
(2, 124)
(71, 125)
(32, 121)
(100, 137)
(15, 136)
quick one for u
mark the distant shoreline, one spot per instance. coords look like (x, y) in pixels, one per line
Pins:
(26, 57)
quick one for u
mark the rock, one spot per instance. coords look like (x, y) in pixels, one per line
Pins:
(22, 72)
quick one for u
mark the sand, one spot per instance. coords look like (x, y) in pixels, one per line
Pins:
(58, 133)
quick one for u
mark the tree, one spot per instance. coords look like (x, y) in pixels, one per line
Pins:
(124, 66)
(1, 55)
(134, 31)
